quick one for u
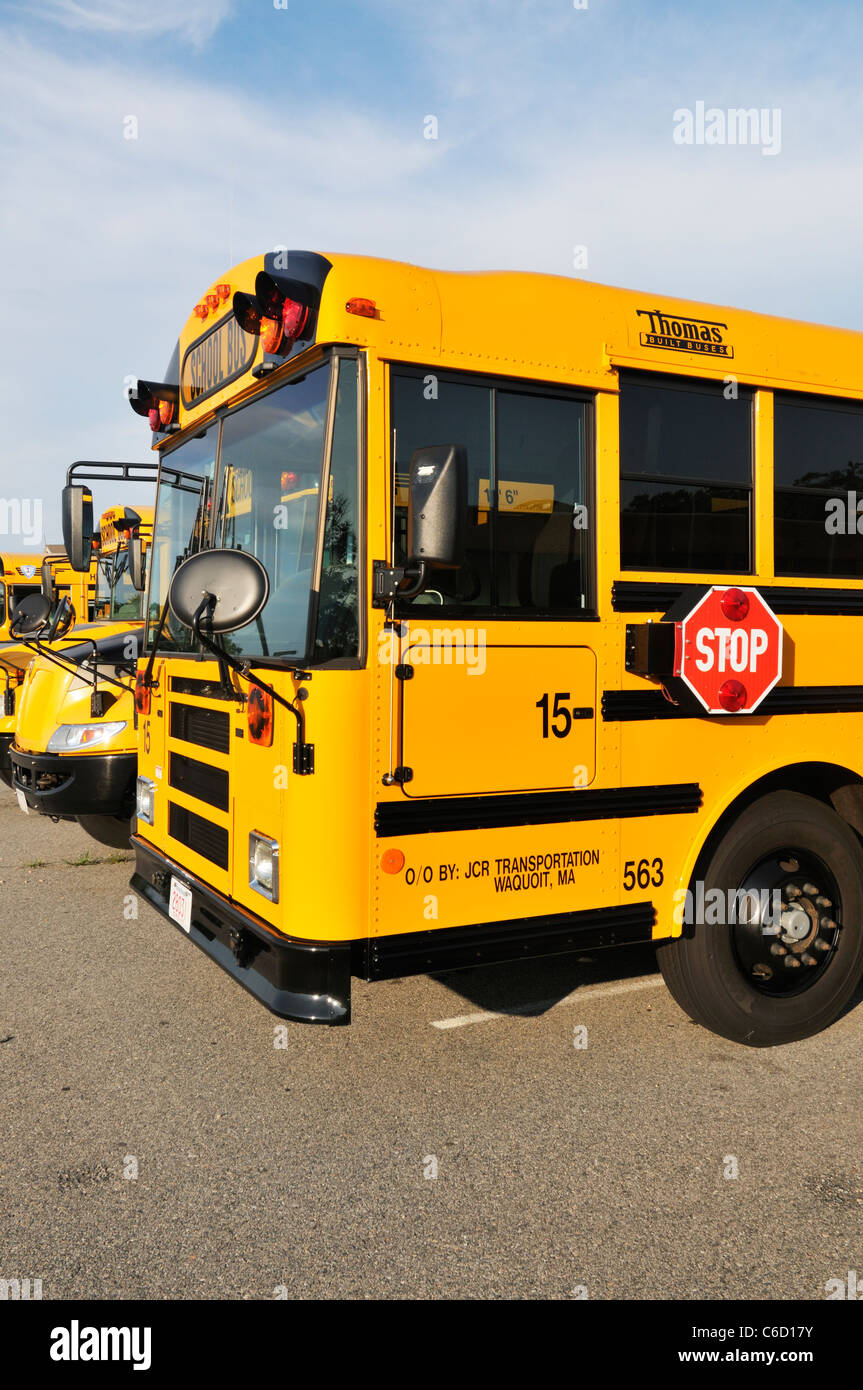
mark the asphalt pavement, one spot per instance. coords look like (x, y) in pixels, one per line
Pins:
(557, 1130)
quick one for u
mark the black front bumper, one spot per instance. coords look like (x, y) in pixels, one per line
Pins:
(5, 764)
(57, 785)
(308, 981)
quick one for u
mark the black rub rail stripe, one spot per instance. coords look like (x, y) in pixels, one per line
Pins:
(633, 596)
(624, 705)
(436, 814)
(454, 948)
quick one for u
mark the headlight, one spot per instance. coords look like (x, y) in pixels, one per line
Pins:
(70, 736)
(145, 798)
(264, 866)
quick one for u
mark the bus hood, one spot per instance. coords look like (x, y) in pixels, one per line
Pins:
(53, 695)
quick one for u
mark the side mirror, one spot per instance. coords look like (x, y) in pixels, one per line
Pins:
(219, 589)
(49, 588)
(437, 506)
(30, 616)
(136, 563)
(77, 508)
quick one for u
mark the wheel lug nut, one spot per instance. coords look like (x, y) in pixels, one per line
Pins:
(821, 901)
(809, 889)
(819, 944)
(807, 959)
(827, 924)
(792, 891)
(777, 950)
(791, 963)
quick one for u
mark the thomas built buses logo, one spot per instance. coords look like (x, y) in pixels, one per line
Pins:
(704, 336)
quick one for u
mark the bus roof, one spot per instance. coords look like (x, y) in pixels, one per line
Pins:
(524, 324)
(20, 565)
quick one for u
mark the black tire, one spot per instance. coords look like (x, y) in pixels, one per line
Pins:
(703, 968)
(108, 830)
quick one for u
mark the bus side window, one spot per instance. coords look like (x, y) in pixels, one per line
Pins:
(818, 475)
(529, 532)
(685, 475)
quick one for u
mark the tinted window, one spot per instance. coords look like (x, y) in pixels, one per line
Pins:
(541, 532)
(817, 462)
(685, 476)
(527, 547)
(432, 410)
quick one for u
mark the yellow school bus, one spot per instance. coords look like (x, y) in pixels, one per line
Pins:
(19, 576)
(74, 753)
(58, 581)
(562, 656)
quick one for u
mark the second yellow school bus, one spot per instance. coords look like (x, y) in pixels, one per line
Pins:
(454, 727)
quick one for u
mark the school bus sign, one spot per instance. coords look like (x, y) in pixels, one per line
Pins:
(728, 650)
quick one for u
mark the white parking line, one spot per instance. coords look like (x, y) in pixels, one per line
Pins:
(578, 996)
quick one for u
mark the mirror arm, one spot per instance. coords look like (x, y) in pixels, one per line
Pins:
(420, 575)
(303, 752)
(389, 583)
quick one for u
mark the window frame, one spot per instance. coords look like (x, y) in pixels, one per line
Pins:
(669, 381)
(404, 609)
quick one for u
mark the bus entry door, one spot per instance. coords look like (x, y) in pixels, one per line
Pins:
(479, 718)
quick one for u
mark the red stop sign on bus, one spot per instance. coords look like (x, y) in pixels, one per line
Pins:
(728, 650)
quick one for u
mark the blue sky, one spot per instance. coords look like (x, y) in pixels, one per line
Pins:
(261, 126)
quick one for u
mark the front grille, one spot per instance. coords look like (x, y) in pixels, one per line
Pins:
(197, 779)
(206, 839)
(209, 728)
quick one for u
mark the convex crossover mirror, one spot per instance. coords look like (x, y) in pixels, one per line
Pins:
(221, 590)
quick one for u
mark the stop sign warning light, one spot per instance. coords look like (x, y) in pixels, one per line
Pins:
(726, 652)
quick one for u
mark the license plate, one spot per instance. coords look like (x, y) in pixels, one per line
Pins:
(22, 801)
(180, 904)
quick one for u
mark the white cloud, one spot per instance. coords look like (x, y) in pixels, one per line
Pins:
(108, 242)
(195, 20)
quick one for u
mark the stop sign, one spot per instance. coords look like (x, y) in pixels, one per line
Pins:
(728, 650)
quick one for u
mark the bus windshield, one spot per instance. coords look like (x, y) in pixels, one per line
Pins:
(182, 514)
(271, 459)
(11, 597)
(116, 599)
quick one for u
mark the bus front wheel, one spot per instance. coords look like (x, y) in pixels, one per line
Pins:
(772, 949)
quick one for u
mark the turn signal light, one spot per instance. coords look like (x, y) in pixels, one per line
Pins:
(732, 695)
(142, 694)
(366, 308)
(153, 417)
(166, 412)
(735, 605)
(259, 717)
